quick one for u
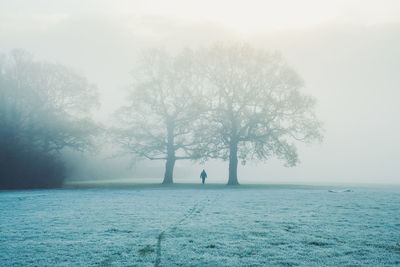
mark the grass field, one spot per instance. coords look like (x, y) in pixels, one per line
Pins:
(193, 225)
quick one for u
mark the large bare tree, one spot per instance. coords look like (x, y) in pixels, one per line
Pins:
(255, 107)
(161, 116)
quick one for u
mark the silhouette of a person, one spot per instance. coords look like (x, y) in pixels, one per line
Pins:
(203, 176)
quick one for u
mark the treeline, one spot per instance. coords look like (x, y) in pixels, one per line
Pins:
(235, 103)
(44, 109)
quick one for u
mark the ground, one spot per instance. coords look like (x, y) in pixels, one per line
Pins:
(207, 225)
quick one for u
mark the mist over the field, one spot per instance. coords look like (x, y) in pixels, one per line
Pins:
(347, 54)
(199, 133)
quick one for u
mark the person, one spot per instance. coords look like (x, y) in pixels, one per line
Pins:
(203, 176)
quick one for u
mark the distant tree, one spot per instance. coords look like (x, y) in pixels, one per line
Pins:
(55, 103)
(161, 116)
(44, 108)
(255, 107)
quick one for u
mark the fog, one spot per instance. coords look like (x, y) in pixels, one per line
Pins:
(347, 52)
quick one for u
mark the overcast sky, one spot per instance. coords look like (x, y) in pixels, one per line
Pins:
(348, 53)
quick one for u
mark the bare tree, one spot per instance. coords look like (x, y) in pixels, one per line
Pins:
(256, 109)
(160, 119)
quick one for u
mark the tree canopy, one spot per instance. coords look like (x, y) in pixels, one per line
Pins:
(255, 107)
(160, 119)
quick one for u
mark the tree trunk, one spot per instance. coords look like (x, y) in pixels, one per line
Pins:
(169, 170)
(233, 163)
(169, 165)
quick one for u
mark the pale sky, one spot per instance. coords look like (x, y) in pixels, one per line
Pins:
(245, 16)
(348, 53)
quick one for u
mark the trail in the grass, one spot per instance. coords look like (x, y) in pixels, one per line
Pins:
(195, 210)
